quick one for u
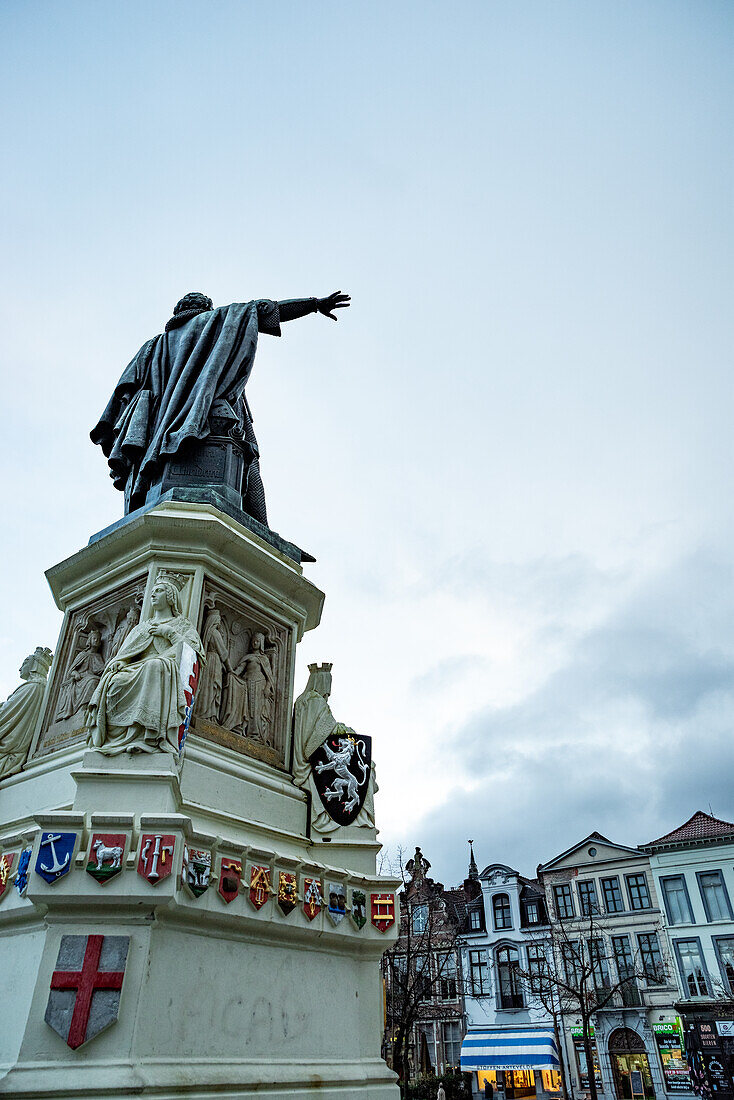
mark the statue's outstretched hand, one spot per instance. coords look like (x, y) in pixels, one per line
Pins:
(337, 300)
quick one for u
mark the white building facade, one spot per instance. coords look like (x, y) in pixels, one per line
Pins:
(510, 1041)
(693, 869)
(603, 897)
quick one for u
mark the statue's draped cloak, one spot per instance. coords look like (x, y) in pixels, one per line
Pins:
(18, 717)
(168, 392)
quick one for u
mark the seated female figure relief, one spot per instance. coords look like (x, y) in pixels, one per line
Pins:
(139, 703)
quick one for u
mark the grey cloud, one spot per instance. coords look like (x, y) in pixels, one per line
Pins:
(629, 737)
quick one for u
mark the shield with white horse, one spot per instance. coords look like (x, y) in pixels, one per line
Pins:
(341, 772)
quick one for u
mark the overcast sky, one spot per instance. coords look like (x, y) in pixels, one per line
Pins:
(512, 457)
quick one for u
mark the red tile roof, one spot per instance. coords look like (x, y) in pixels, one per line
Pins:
(699, 827)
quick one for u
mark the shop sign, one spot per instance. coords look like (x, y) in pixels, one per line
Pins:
(577, 1034)
(669, 1039)
(725, 1028)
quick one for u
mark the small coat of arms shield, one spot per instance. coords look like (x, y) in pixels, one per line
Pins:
(383, 911)
(6, 866)
(20, 882)
(341, 769)
(313, 899)
(55, 853)
(230, 877)
(155, 861)
(197, 867)
(287, 892)
(260, 885)
(106, 856)
(337, 907)
(359, 908)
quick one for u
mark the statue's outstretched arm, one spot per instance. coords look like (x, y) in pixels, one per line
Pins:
(294, 308)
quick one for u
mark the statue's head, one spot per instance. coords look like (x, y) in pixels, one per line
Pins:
(193, 301)
(37, 664)
(319, 679)
(165, 594)
(258, 642)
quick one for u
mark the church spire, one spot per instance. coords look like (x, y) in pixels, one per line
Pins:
(473, 872)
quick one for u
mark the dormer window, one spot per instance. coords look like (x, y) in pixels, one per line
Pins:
(502, 912)
(475, 920)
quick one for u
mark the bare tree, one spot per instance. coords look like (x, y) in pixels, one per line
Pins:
(580, 967)
(424, 963)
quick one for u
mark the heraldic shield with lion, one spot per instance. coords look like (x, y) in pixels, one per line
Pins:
(341, 772)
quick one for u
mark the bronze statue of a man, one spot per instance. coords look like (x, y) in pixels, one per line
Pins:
(189, 384)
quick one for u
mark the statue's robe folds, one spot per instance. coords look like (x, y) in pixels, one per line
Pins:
(176, 382)
(18, 718)
(140, 706)
(313, 722)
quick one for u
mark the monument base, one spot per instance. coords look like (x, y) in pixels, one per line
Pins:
(176, 930)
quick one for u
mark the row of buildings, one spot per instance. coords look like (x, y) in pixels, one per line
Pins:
(610, 974)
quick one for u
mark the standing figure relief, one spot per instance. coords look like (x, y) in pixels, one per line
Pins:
(237, 689)
(83, 676)
(250, 696)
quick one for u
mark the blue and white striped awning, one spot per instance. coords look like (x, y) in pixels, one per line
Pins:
(510, 1048)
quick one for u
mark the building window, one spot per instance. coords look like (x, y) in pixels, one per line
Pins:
(508, 973)
(677, 902)
(564, 901)
(537, 968)
(637, 891)
(423, 977)
(447, 976)
(502, 911)
(571, 964)
(532, 911)
(691, 966)
(714, 894)
(599, 966)
(426, 1036)
(475, 919)
(626, 971)
(399, 972)
(420, 918)
(725, 952)
(478, 973)
(650, 957)
(587, 898)
(612, 895)
(451, 1031)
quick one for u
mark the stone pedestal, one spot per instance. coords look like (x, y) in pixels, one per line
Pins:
(222, 992)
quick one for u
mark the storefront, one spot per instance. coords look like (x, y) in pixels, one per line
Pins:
(517, 1063)
(577, 1038)
(671, 1049)
(708, 1030)
(630, 1065)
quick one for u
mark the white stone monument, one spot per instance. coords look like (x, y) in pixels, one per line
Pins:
(189, 902)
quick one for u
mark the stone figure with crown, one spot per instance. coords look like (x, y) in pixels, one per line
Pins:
(139, 704)
(331, 761)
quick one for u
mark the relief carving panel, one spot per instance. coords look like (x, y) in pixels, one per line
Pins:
(94, 634)
(242, 698)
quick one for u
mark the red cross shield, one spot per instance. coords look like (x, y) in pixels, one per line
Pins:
(85, 986)
(383, 911)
